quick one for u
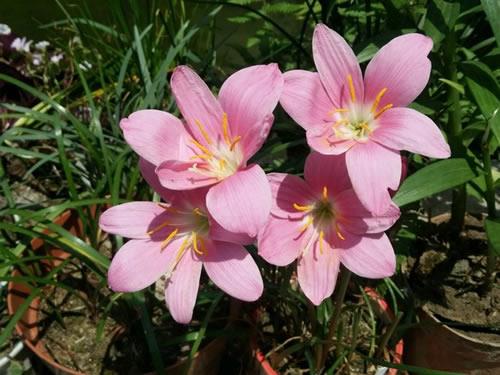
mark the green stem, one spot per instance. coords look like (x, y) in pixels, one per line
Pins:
(455, 131)
(345, 277)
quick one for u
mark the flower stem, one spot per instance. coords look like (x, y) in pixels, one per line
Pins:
(345, 277)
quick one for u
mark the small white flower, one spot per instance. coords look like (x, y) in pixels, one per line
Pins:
(21, 44)
(37, 59)
(85, 66)
(42, 45)
(56, 58)
(4, 29)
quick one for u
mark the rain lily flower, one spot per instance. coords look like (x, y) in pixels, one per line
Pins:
(21, 44)
(42, 45)
(365, 118)
(56, 58)
(213, 144)
(320, 222)
(177, 239)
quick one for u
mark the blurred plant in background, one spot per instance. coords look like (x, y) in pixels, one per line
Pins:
(61, 149)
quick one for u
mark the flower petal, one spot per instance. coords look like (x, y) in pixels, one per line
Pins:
(373, 169)
(281, 241)
(154, 135)
(287, 189)
(335, 62)
(326, 170)
(241, 203)
(182, 288)
(248, 97)
(355, 218)
(317, 273)
(178, 175)
(402, 67)
(148, 173)
(233, 269)
(304, 98)
(139, 263)
(321, 138)
(407, 129)
(370, 256)
(218, 233)
(197, 104)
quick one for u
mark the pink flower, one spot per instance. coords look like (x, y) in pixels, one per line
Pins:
(321, 223)
(175, 239)
(214, 143)
(365, 119)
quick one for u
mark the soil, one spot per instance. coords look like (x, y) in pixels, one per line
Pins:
(449, 278)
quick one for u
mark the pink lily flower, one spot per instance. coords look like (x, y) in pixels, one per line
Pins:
(213, 144)
(177, 239)
(365, 118)
(320, 222)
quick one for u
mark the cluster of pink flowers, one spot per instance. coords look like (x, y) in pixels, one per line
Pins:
(215, 202)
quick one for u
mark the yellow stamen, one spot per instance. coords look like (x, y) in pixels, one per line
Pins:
(198, 212)
(195, 244)
(325, 193)
(377, 99)
(225, 131)
(339, 122)
(351, 88)
(298, 207)
(234, 142)
(222, 163)
(201, 147)
(181, 250)
(203, 131)
(307, 224)
(156, 229)
(202, 245)
(384, 108)
(339, 234)
(201, 156)
(321, 235)
(337, 110)
(168, 239)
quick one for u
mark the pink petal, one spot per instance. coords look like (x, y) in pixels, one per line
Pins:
(133, 219)
(335, 61)
(407, 129)
(154, 135)
(242, 202)
(281, 241)
(139, 263)
(218, 233)
(249, 97)
(287, 189)
(326, 170)
(317, 273)
(304, 98)
(182, 288)
(148, 173)
(402, 67)
(233, 269)
(369, 256)
(373, 169)
(197, 104)
(321, 138)
(354, 217)
(176, 175)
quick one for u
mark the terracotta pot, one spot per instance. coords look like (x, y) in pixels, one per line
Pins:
(382, 309)
(435, 345)
(206, 361)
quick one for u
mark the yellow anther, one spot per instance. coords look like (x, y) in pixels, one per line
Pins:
(156, 229)
(201, 156)
(377, 99)
(321, 236)
(222, 163)
(298, 207)
(201, 147)
(339, 234)
(203, 131)
(195, 244)
(167, 240)
(384, 108)
(181, 250)
(309, 221)
(225, 130)
(325, 193)
(337, 110)
(351, 88)
(340, 122)
(234, 142)
(198, 212)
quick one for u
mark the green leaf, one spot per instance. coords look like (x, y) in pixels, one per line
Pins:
(492, 10)
(493, 232)
(440, 18)
(485, 92)
(434, 178)
(457, 86)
